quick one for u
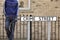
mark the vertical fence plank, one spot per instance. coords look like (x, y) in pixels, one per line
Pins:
(23, 28)
(38, 30)
(28, 36)
(51, 30)
(20, 26)
(44, 30)
(58, 28)
(0, 27)
(34, 30)
(41, 30)
(3, 26)
(55, 30)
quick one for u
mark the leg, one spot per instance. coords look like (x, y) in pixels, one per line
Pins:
(7, 23)
(12, 27)
(12, 31)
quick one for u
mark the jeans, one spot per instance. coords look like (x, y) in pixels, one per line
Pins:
(9, 27)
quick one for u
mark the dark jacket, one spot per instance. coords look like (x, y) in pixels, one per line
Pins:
(11, 7)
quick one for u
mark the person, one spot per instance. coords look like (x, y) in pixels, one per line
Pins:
(10, 11)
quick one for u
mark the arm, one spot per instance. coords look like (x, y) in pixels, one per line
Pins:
(4, 8)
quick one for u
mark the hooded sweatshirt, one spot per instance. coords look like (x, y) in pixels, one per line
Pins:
(11, 7)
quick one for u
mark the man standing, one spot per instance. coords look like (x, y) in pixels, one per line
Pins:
(10, 11)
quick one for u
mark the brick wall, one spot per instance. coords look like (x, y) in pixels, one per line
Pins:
(40, 7)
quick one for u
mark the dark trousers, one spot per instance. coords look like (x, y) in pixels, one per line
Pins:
(10, 26)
